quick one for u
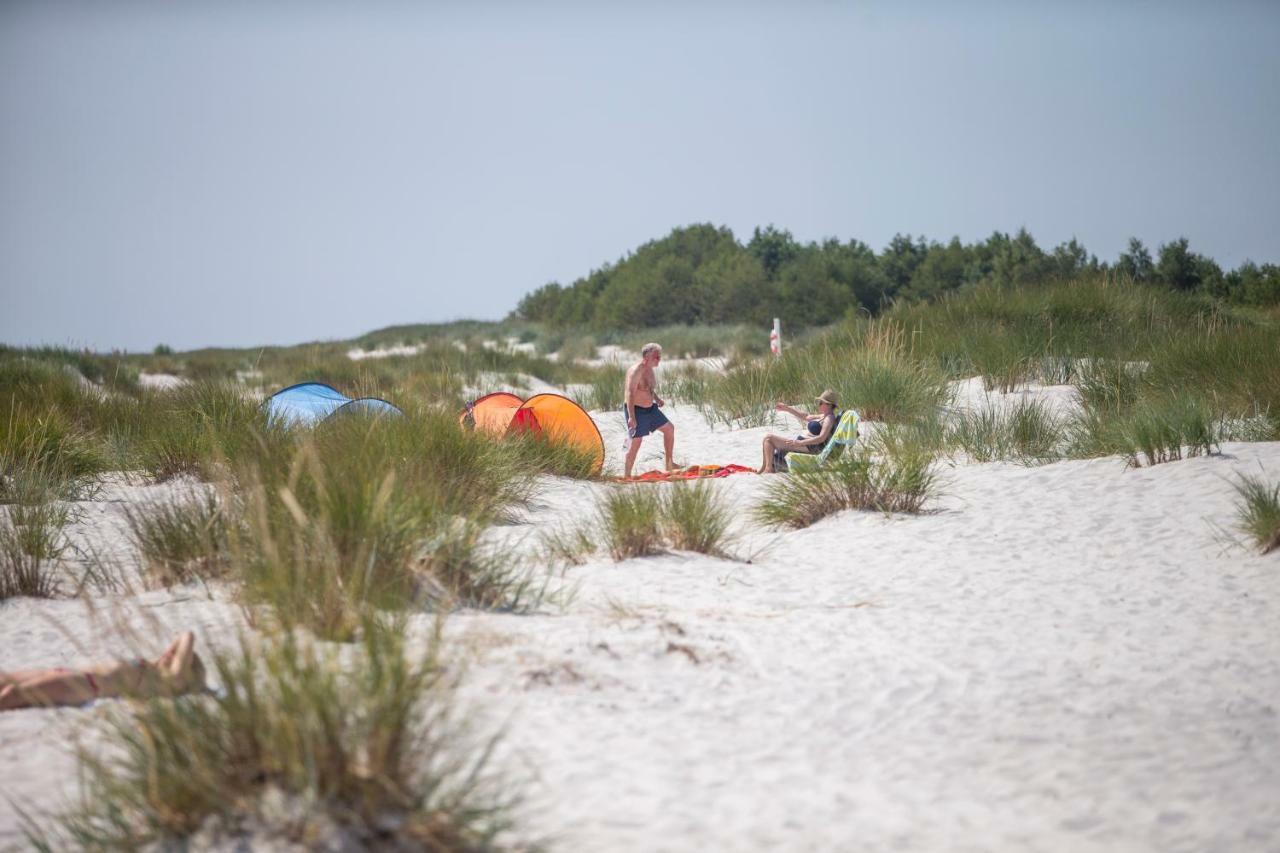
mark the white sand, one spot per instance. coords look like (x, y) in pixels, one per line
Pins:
(161, 381)
(1070, 657)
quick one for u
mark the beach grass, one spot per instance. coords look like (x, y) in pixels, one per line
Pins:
(605, 392)
(566, 545)
(382, 513)
(902, 482)
(32, 543)
(639, 520)
(193, 430)
(43, 456)
(1167, 429)
(1258, 511)
(1026, 431)
(303, 744)
(631, 522)
(697, 518)
(184, 538)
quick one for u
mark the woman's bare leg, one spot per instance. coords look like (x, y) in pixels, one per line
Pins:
(772, 443)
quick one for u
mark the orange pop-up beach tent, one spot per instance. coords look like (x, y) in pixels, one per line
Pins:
(556, 417)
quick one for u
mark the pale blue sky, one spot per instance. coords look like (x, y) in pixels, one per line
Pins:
(226, 174)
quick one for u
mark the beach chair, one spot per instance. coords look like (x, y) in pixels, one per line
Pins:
(845, 433)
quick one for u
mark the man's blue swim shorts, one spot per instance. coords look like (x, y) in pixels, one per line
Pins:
(648, 419)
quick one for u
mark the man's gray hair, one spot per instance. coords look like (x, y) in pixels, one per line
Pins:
(648, 348)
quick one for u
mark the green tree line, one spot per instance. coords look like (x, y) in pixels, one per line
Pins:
(703, 274)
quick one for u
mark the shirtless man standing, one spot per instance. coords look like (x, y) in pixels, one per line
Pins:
(641, 407)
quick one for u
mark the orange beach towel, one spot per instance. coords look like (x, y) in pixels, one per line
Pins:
(693, 472)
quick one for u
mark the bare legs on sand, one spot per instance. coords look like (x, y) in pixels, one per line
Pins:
(668, 431)
(178, 670)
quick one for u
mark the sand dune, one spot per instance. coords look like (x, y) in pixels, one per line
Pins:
(1068, 657)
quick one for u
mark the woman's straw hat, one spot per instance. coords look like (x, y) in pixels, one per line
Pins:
(828, 397)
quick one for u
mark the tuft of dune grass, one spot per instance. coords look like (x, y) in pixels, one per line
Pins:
(382, 513)
(183, 538)
(900, 483)
(301, 745)
(631, 522)
(1167, 429)
(1258, 511)
(695, 518)
(1026, 432)
(31, 544)
(639, 520)
(43, 456)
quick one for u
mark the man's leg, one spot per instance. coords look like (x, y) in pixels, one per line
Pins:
(668, 442)
(633, 450)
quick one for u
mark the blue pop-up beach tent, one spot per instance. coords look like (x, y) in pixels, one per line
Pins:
(308, 403)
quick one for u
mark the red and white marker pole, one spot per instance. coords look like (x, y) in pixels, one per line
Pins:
(775, 337)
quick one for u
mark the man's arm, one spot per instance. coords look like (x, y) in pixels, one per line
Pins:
(627, 397)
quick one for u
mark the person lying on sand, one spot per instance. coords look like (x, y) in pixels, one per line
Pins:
(641, 408)
(178, 670)
(819, 427)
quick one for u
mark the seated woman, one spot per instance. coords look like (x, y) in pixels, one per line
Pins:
(178, 670)
(819, 427)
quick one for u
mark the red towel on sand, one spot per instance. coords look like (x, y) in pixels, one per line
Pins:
(693, 472)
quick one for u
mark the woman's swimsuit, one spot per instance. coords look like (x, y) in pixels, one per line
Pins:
(815, 428)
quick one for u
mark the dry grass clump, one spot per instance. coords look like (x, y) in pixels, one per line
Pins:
(900, 483)
(1258, 511)
(301, 745)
